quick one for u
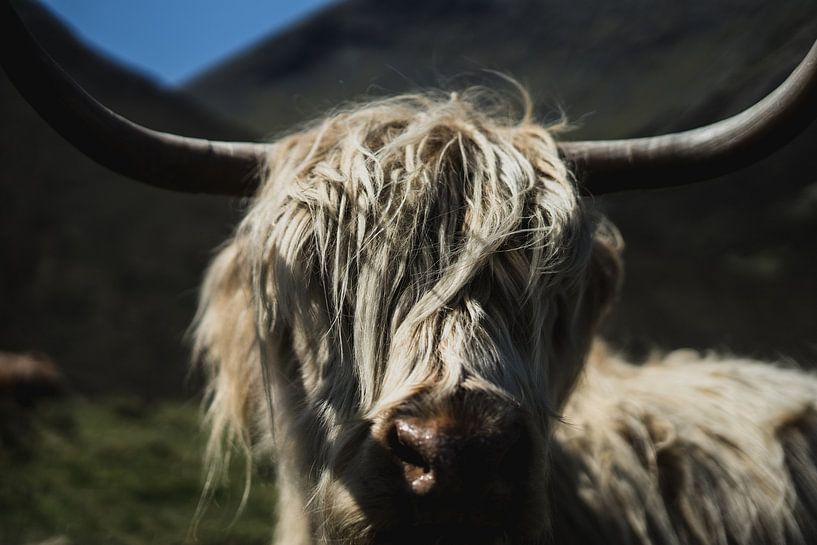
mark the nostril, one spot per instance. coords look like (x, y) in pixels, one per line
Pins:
(413, 445)
(406, 442)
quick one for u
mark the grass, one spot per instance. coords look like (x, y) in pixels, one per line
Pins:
(121, 472)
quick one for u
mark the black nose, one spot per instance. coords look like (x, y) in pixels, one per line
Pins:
(447, 456)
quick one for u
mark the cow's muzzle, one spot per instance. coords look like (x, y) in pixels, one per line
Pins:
(463, 461)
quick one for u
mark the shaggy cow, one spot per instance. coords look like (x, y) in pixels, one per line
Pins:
(416, 288)
(405, 321)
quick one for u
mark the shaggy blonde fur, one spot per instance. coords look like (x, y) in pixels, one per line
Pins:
(426, 245)
(687, 450)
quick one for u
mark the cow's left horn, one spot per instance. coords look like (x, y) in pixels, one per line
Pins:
(706, 152)
(169, 161)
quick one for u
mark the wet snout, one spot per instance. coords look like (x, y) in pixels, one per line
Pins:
(460, 459)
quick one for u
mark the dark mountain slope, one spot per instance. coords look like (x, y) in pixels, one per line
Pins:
(729, 264)
(635, 66)
(96, 270)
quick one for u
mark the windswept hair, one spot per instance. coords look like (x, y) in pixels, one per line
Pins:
(420, 240)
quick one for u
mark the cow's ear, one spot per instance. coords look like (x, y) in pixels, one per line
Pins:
(606, 272)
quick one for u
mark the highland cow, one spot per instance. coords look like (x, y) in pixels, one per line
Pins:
(403, 322)
(406, 321)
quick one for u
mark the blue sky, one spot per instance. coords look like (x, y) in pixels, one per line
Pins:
(173, 40)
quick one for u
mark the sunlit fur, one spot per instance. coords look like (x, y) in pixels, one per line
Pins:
(687, 449)
(423, 246)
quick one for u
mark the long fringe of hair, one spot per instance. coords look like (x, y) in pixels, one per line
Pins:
(423, 239)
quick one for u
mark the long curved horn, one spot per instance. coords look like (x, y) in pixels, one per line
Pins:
(165, 160)
(706, 152)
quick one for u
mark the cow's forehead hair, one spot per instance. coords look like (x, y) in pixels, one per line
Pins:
(410, 236)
